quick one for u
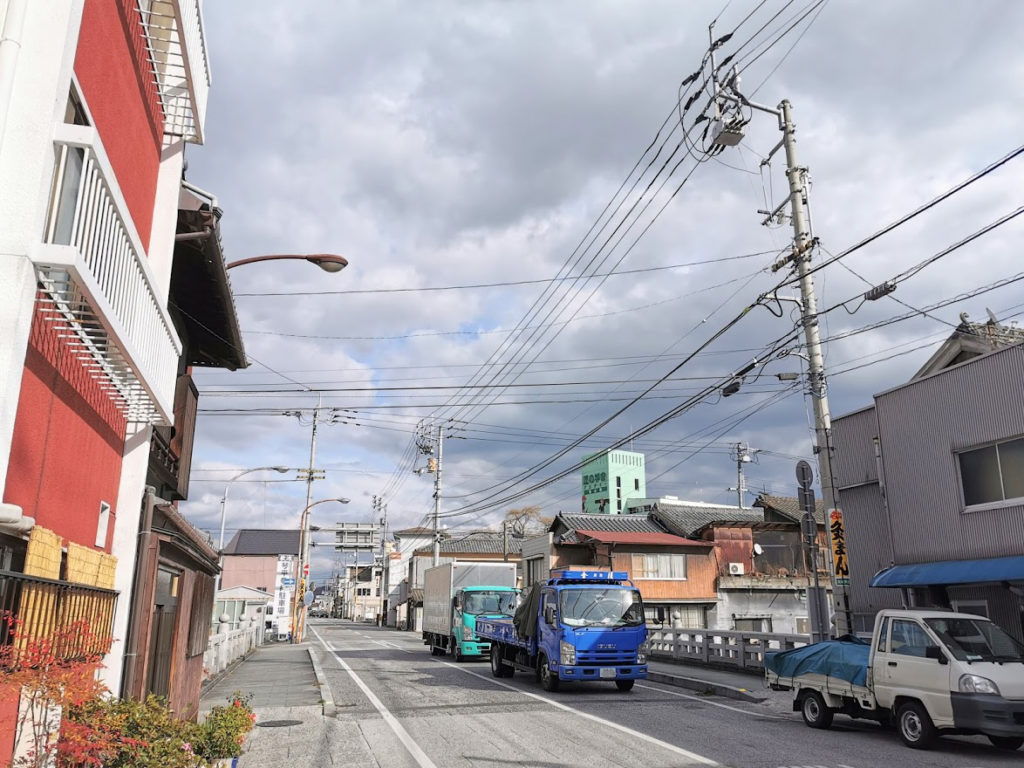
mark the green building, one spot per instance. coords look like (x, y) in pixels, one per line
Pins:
(611, 479)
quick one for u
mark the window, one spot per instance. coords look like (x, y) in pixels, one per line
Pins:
(994, 473)
(658, 566)
(754, 624)
(803, 625)
(909, 638)
(883, 637)
(636, 483)
(974, 607)
(618, 482)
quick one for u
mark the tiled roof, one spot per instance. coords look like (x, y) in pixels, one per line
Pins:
(482, 543)
(789, 507)
(418, 531)
(596, 522)
(264, 541)
(640, 537)
(684, 517)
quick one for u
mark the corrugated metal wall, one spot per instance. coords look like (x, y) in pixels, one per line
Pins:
(921, 427)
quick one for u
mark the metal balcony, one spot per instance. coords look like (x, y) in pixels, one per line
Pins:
(97, 286)
(179, 64)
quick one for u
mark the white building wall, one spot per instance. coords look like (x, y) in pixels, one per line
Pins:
(37, 52)
(782, 606)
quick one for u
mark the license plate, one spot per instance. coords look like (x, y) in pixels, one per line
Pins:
(608, 672)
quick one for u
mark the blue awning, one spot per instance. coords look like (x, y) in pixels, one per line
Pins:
(992, 569)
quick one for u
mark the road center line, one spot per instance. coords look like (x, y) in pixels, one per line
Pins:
(691, 756)
(403, 735)
(704, 700)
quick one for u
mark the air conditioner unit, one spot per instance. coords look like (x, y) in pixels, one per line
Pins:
(736, 569)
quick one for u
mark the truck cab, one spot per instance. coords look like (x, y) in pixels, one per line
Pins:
(471, 603)
(948, 672)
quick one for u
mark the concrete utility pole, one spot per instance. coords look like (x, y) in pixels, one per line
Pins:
(801, 256)
(724, 134)
(303, 561)
(743, 456)
(437, 496)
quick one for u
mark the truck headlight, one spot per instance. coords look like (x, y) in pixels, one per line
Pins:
(641, 652)
(467, 633)
(977, 684)
(566, 654)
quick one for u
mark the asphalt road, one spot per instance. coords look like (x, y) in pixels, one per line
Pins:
(400, 707)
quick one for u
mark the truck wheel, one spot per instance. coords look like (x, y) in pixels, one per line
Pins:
(915, 726)
(1006, 742)
(624, 685)
(816, 713)
(497, 668)
(548, 679)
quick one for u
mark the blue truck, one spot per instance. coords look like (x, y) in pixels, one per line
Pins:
(577, 625)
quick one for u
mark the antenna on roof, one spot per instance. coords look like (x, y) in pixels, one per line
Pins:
(991, 316)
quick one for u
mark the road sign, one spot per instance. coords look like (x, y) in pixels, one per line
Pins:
(804, 474)
(308, 597)
(287, 582)
(305, 569)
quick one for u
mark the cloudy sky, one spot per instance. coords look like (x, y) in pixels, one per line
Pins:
(534, 151)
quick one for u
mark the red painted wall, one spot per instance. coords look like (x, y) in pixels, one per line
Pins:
(113, 71)
(68, 442)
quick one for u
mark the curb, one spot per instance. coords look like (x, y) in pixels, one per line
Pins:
(706, 686)
(329, 710)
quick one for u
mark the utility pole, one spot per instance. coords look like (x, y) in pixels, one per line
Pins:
(743, 456)
(437, 496)
(725, 134)
(302, 565)
(504, 539)
(802, 244)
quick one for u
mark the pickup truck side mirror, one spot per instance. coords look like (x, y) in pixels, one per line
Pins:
(661, 615)
(934, 652)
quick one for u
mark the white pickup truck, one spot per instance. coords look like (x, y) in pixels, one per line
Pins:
(929, 672)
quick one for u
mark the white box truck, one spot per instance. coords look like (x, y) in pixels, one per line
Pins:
(455, 594)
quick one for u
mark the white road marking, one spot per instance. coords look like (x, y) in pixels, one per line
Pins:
(692, 756)
(403, 735)
(386, 644)
(704, 700)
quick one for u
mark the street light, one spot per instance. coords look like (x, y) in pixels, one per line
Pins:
(328, 262)
(224, 498)
(300, 575)
(224, 509)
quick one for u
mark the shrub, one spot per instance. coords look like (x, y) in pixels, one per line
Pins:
(224, 729)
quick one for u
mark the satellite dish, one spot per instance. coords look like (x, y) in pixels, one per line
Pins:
(991, 316)
(758, 549)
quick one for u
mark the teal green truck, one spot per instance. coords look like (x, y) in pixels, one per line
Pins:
(455, 595)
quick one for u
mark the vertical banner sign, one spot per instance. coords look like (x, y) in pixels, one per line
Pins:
(840, 562)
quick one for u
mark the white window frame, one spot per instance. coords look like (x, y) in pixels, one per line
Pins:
(986, 506)
(102, 524)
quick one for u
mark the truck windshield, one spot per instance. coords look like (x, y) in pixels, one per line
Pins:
(614, 606)
(489, 602)
(976, 640)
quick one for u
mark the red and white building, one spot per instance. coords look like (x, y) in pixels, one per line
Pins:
(98, 101)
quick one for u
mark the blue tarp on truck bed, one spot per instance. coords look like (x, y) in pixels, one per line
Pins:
(846, 659)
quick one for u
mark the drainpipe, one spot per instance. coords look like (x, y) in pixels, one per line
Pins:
(10, 47)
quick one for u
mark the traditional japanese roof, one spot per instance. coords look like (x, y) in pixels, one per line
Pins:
(970, 340)
(600, 522)
(417, 531)
(264, 541)
(477, 543)
(683, 518)
(638, 537)
(788, 507)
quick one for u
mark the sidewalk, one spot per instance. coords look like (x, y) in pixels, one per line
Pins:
(290, 722)
(742, 686)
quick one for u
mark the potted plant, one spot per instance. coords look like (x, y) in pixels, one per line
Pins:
(224, 729)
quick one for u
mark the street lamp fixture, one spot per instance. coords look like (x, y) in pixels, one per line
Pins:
(328, 262)
(224, 509)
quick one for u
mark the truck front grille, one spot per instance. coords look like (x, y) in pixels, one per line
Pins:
(605, 657)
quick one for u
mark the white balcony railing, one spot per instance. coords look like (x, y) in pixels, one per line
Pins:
(97, 285)
(179, 64)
